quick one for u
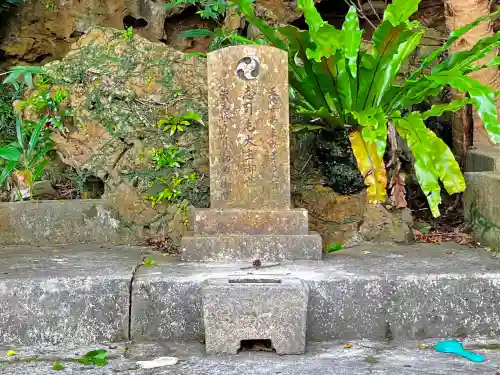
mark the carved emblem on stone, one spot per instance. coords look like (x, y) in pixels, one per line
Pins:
(248, 68)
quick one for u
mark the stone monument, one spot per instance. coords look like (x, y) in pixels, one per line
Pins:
(250, 215)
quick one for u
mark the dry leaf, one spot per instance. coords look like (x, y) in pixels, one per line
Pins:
(398, 188)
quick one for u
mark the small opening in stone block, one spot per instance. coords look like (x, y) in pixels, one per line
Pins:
(254, 281)
(256, 346)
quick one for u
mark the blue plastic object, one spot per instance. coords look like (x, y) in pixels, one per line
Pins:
(456, 347)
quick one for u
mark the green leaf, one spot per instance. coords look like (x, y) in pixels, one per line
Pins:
(19, 132)
(312, 16)
(10, 152)
(302, 76)
(374, 130)
(412, 92)
(296, 128)
(352, 36)
(96, 357)
(462, 61)
(439, 109)
(37, 173)
(7, 170)
(391, 48)
(454, 36)
(195, 33)
(327, 38)
(35, 135)
(194, 54)
(57, 366)
(334, 246)
(400, 11)
(434, 161)
(270, 33)
(192, 116)
(327, 76)
(148, 262)
(481, 96)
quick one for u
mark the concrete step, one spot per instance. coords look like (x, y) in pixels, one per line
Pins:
(85, 294)
(326, 358)
(61, 222)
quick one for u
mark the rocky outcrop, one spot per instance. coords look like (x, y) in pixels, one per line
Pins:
(47, 28)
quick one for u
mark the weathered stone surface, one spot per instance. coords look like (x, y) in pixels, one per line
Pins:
(364, 358)
(240, 308)
(334, 216)
(249, 139)
(421, 307)
(482, 209)
(61, 222)
(166, 310)
(483, 159)
(72, 295)
(40, 30)
(380, 225)
(356, 293)
(227, 248)
(241, 221)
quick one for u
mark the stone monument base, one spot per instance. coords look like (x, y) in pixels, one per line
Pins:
(246, 248)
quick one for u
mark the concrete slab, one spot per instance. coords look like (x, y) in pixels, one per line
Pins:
(366, 292)
(327, 358)
(72, 295)
(61, 222)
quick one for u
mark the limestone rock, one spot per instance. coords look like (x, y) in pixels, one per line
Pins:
(118, 90)
(334, 216)
(380, 225)
(44, 29)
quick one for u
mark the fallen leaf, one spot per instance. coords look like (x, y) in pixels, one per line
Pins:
(347, 346)
(10, 353)
(398, 188)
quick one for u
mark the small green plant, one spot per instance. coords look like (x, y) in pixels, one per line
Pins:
(172, 157)
(58, 366)
(28, 154)
(49, 5)
(172, 187)
(26, 73)
(148, 262)
(222, 37)
(334, 246)
(44, 103)
(128, 34)
(95, 357)
(212, 9)
(174, 124)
